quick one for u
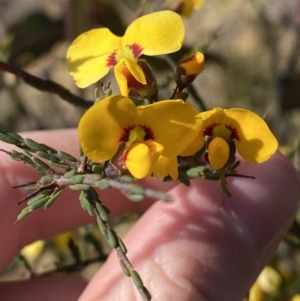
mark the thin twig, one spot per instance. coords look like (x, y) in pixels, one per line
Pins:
(45, 85)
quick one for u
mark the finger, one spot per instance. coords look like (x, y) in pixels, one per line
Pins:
(64, 215)
(206, 246)
(58, 288)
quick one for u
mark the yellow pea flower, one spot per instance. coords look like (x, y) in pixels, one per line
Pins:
(146, 132)
(225, 130)
(93, 53)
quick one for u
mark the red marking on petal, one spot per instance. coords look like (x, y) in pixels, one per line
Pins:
(149, 134)
(126, 132)
(208, 131)
(233, 131)
(136, 49)
(111, 60)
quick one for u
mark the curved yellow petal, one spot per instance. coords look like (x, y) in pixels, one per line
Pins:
(91, 55)
(141, 157)
(123, 77)
(128, 75)
(154, 34)
(166, 166)
(102, 126)
(136, 71)
(174, 124)
(218, 153)
(256, 142)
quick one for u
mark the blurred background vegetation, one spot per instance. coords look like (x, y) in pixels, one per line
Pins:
(252, 52)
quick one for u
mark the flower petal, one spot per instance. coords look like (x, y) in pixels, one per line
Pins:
(153, 34)
(218, 153)
(102, 126)
(195, 146)
(88, 56)
(129, 74)
(256, 142)
(136, 71)
(174, 124)
(141, 157)
(166, 166)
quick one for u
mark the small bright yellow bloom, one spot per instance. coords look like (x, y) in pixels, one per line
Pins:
(187, 7)
(93, 53)
(249, 132)
(145, 132)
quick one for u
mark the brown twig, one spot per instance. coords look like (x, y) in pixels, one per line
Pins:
(45, 85)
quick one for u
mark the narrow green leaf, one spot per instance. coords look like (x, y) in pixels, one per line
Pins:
(136, 279)
(103, 211)
(103, 184)
(122, 245)
(77, 179)
(46, 179)
(111, 238)
(39, 203)
(135, 197)
(97, 168)
(80, 187)
(39, 162)
(124, 268)
(52, 199)
(34, 145)
(24, 213)
(8, 139)
(101, 226)
(66, 156)
(70, 174)
(37, 198)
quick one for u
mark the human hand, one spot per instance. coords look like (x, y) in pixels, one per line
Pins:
(202, 246)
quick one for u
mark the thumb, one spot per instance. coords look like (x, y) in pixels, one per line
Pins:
(204, 245)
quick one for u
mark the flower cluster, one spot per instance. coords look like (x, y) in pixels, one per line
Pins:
(140, 136)
(147, 139)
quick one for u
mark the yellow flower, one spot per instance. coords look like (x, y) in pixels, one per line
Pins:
(225, 130)
(186, 7)
(143, 133)
(93, 53)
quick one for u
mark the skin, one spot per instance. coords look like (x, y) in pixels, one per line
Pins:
(202, 246)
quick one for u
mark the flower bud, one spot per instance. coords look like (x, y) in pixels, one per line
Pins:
(186, 7)
(189, 66)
